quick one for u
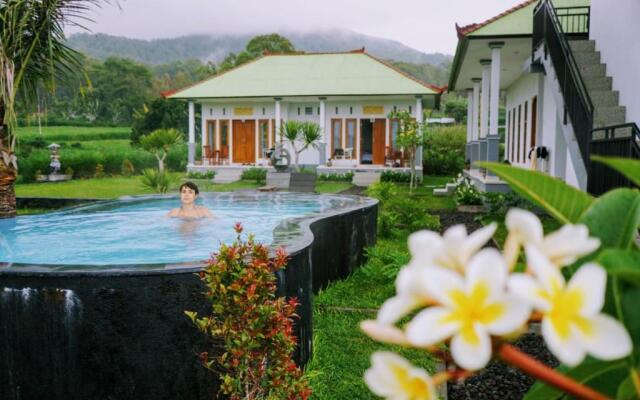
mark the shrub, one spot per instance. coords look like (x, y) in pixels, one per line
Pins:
(127, 168)
(466, 194)
(444, 150)
(201, 175)
(395, 176)
(336, 177)
(157, 181)
(411, 215)
(254, 324)
(29, 166)
(69, 171)
(259, 175)
(500, 203)
(99, 171)
(384, 261)
(383, 191)
(76, 145)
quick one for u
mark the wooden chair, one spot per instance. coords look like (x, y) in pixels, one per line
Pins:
(224, 155)
(208, 154)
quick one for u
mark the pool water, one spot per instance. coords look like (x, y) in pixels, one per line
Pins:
(137, 230)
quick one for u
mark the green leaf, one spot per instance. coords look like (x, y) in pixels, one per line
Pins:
(631, 317)
(626, 390)
(563, 202)
(626, 166)
(614, 217)
(603, 376)
(623, 264)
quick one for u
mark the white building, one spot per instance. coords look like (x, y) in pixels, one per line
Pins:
(350, 95)
(566, 72)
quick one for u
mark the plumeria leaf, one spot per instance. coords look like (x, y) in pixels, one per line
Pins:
(623, 264)
(603, 376)
(563, 202)
(626, 166)
(626, 390)
(631, 318)
(614, 217)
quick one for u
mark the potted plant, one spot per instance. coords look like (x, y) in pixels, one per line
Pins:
(301, 136)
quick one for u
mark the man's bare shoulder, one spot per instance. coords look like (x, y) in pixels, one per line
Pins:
(174, 213)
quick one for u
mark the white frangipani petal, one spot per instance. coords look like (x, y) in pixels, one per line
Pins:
(567, 349)
(384, 332)
(515, 315)
(423, 246)
(431, 326)
(590, 281)
(547, 275)
(394, 378)
(487, 267)
(441, 283)
(525, 225)
(607, 339)
(479, 238)
(471, 348)
(397, 307)
(525, 287)
(567, 244)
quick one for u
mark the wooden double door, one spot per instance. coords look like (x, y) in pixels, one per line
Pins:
(244, 141)
(372, 141)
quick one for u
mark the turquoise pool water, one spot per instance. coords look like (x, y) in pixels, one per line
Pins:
(137, 231)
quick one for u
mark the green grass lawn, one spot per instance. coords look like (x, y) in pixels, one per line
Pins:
(73, 133)
(332, 187)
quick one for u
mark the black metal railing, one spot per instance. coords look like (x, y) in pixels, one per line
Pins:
(575, 21)
(615, 141)
(548, 31)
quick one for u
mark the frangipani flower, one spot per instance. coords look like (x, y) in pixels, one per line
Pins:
(411, 293)
(572, 324)
(561, 247)
(393, 377)
(384, 332)
(451, 250)
(472, 309)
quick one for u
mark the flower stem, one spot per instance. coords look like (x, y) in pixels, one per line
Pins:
(529, 365)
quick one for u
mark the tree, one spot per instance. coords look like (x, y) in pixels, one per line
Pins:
(456, 107)
(161, 113)
(303, 134)
(409, 138)
(159, 142)
(33, 52)
(273, 43)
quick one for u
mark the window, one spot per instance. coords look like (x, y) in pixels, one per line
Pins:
(395, 128)
(308, 111)
(351, 133)
(263, 136)
(210, 110)
(263, 111)
(298, 110)
(210, 139)
(336, 135)
(507, 136)
(224, 133)
(224, 111)
(410, 110)
(336, 110)
(351, 110)
(518, 133)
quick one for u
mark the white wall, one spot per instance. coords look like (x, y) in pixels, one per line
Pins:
(521, 91)
(615, 26)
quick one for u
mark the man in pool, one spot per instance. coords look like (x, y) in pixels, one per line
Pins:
(188, 195)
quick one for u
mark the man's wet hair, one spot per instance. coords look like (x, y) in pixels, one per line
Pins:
(191, 186)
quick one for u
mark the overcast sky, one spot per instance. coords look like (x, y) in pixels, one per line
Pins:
(426, 25)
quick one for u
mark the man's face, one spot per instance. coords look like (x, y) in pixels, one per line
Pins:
(188, 195)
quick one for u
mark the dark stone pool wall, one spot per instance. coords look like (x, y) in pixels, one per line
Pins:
(118, 336)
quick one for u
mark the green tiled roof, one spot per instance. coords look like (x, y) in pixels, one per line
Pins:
(327, 74)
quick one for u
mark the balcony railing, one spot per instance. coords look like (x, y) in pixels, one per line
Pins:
(575, 21)
(614, 141)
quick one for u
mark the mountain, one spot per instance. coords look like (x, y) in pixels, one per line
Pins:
(216, 47)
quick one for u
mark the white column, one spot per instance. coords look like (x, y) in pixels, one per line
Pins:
(419, 120)
(192, 135)
(484, 100)
(476, 103)
(278, 118)
(323, 132)
(470, 105)
(495, 87)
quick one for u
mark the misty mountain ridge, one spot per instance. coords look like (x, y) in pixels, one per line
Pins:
(215, 47)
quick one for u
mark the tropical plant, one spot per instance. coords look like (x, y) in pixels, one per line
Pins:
(254, 324)
(159, 142)
(301, 136)
(581, 281)
(409, 138)
(259, 175)
(466, 194)
(155, 180)
(33, 52)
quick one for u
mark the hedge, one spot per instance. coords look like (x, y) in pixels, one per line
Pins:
(444, 150)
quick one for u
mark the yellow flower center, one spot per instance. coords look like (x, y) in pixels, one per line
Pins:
(413, 387)
(565, 310)
(471, 308)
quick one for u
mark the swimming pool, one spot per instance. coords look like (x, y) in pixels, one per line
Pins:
(92, 299)
(136, 231)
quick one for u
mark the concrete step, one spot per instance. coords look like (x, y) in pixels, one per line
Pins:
(441, 192)
(365, 179)
(601, 83)
(450, 187)
(586, 58)
(579, 46)
(604, 98)
(589, 71)
(227, 175)
(606, 116)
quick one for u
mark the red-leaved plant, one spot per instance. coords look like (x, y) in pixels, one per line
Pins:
(255, 326)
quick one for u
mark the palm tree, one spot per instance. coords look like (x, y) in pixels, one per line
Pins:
(303, 134)
(32, 53)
